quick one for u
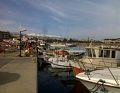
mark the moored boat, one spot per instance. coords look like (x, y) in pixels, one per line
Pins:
(106, 80)
(98, 57)
(101, 69)
(59, 62)
(60, 59)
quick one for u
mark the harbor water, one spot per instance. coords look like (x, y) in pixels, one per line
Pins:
(58, 81)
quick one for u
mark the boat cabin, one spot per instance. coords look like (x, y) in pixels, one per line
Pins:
(103, 55)
(104, 52)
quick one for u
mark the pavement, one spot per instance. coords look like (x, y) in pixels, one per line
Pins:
(17, 74)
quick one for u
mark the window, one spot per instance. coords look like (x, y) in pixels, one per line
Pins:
(101, 53)
(93, 51)
(106, 53)
(113, 54)
(89, 52)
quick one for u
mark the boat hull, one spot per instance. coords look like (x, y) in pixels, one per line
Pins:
(60, 62)
(102, 89)
(77, 70)
(60, 65)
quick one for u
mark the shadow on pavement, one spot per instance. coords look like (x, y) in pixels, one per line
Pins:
(6, 77)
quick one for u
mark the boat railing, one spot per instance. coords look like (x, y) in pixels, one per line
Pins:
(100, 64)
(113, 76)
(97, 67)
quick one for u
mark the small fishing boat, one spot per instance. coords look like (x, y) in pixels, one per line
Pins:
(60, 59)
(60, 45)
(106, 80)
(59, 62)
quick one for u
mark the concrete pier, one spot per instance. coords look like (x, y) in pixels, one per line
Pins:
(17, 75)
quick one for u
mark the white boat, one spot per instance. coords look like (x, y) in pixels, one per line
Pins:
(97, 57)
(76, 52)
(59, 62)
(60, 59)
(60, 45)
(106, 80)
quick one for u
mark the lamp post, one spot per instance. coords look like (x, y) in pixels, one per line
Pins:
(21, 40)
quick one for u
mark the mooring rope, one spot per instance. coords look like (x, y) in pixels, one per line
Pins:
(98, 86)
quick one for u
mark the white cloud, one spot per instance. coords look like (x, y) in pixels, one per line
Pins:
(100, 18)
(47, 6)
(57, 19)
(6, 22)
(77, 9)
(55, 10)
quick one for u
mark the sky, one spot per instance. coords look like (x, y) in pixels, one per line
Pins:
(96, 19)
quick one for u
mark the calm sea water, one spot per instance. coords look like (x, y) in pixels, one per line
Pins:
(59, 81)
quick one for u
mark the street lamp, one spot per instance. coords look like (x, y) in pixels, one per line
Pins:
(23, 30)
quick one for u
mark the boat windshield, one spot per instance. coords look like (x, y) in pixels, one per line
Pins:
(90, 52)
(107, 53)
(113, 54)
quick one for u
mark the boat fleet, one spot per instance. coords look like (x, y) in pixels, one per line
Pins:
(97, 67)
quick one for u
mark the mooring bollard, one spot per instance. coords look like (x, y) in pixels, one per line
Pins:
(33, 60)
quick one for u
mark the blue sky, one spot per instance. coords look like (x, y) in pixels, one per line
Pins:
(96, 19)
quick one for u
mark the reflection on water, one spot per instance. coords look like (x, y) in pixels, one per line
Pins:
(58, 81)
